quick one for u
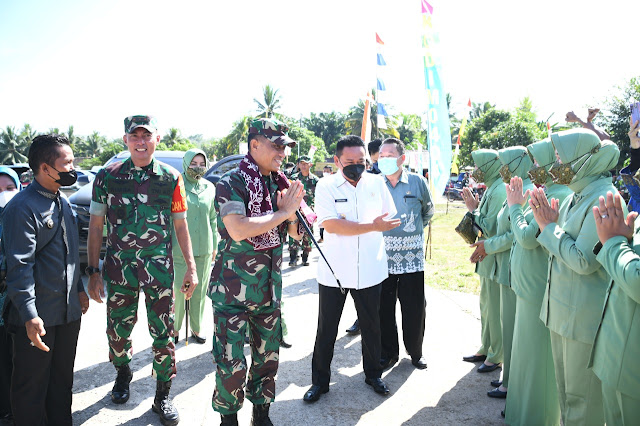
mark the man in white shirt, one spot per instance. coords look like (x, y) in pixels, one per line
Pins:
(355, 209)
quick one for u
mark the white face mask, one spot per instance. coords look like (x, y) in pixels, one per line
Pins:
(6, 196)
(325, 174)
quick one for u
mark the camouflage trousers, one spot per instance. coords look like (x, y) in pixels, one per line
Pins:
(305, 244)
(231, 323)
(122, 314)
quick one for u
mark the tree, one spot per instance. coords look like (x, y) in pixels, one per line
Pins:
(173, 137)
(270, 102)
(327, 126)
(28, 133)
(239, 134)
(92, 145)
(615, 115)
(355, 115)
(409, 128)
(12, 147)
(305, 138)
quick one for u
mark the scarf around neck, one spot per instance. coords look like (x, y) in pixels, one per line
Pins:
(260, 203)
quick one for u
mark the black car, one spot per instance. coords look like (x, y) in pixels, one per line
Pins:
(81, 200)
(223, 166)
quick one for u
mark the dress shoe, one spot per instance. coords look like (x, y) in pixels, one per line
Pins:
(497, 393)
(387, 363)
(496, 383)
(354, 329)
(198, 339)
(378, 385)
(474, 358)
(419, 363)
(120, 391)
(484, 368)
(314, 392)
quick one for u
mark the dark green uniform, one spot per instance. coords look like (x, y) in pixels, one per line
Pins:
(245, 288)
(139, 204)
(305, 243)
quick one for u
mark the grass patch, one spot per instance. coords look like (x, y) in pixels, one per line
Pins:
(449, 267)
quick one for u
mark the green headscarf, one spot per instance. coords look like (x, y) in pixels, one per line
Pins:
(544, 154)
(517, 160)
(488, 161)
(589, 157)
(186, 161)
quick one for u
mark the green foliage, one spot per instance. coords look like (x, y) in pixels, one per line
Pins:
(616, 113)
(110, 149)
(355, 116)
(410, 131)
(269, 104)
(330, 127)
(13, 147)
(184, 145)
(305, 138)
(172, 138)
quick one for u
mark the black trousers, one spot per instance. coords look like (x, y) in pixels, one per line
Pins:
(409, 289)
(6, 367)
(331, 303)
(42, 382)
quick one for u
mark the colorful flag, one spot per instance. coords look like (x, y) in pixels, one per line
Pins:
(365, 133)
(439, 130)
(381, 64)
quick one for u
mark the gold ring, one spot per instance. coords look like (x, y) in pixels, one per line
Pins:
(537, 206)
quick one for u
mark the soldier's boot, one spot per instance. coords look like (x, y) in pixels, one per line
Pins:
(120, 391)
(293, 258)
(163, 405)
(305, 257)
(260, 416)
(229, 419)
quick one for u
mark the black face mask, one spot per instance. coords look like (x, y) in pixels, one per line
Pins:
(66, 178)
(353, 171)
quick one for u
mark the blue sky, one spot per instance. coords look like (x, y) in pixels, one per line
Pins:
(197, 65)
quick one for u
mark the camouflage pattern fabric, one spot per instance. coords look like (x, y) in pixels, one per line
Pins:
(139, 204)
(245, 289)
(122, 314)
(309, 183)
(272, 129)
(264, 329)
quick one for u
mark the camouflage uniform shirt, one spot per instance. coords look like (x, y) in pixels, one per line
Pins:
(309, 183)
(139, 204)
(242, 275)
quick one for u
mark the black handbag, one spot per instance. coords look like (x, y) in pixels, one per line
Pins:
(468, 229)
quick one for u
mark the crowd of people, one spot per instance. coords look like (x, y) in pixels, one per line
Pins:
(556, 254)
(558, 264)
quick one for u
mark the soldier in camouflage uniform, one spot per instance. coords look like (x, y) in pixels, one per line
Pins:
(142, 200)
(309, 181)
(246, 282)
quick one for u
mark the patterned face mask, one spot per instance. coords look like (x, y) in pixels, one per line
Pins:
(563, 174)
(505, 172)
(196, 172)
(539, 174)
(478, 174)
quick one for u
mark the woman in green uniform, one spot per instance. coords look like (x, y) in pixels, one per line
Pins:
(533, 396)
(201, 219)
(577, 283)
(485, 216)
(515, 162)
(616, 352)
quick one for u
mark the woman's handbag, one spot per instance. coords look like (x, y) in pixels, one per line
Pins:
(468, 229)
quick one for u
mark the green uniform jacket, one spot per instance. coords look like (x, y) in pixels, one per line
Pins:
(616, 354)
(527, 280)
(486, 217)
(576, 282)
(202, 213)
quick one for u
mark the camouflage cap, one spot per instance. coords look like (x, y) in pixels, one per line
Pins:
(272, 129)
(304, 158)
(146, 121)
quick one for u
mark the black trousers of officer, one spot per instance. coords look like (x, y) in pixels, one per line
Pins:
(331, 304)
(6, 367)
(409, 289)
(42, 382)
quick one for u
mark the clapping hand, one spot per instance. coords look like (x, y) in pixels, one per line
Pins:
(514, 192)
(470, 200)
(592, 114)
(543, 212)
(610, 221)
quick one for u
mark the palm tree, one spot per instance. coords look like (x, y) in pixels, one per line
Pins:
(355, 115)
(477, 109)
(173, 137)
(93, 145)
(12, 147)
(409, 128)
(271, 102)
(28, 133)
(238, 135)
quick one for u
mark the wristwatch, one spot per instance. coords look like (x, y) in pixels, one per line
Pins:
(90, 270)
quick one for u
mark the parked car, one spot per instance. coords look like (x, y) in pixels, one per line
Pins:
(81, 200)
(223, 166)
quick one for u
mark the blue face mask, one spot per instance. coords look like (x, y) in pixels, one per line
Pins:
(388, 165)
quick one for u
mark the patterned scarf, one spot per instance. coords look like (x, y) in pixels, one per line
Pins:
(260, 203)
